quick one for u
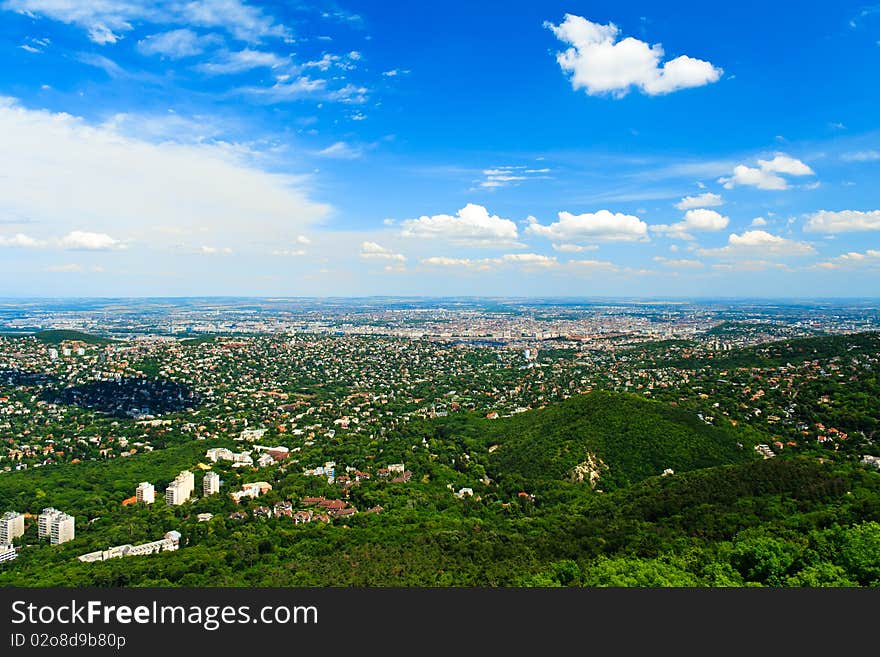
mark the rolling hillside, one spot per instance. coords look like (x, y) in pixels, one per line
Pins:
(611, 439)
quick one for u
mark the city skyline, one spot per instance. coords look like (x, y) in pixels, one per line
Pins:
(256, 149)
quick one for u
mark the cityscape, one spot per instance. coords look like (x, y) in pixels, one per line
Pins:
(308, 413)
(510, 295)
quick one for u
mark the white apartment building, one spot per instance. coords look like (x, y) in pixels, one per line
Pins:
(180, 490)
(11, 527)
(168, 543)
(7, 553)
(44, 523)
(211, 484)
(63, 529)
(219, 454)
(145, 493)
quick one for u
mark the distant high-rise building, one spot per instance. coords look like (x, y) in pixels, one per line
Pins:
(145, 493)
(62, 529)
(11, 527)
(211, 484)
(180, 490)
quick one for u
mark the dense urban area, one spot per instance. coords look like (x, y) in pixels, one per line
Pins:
(442, 442)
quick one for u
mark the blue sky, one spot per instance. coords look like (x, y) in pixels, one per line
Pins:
(225, 147)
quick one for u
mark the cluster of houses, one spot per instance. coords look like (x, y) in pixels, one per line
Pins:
(320, 509)
(268, 456)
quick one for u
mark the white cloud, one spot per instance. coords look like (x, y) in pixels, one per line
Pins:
(853, 259)
(464, 263)
(590, 266)
(681, 263)
(767, 174)
(574, 248)
(698, 220)
(599, 63)
(826, 221)
(758, 221)
(505, 176)
(54, 169)
(243, 60)
(302, 239)
(107, 21)
(528, 261)
(176, 44)
(592, 226)
(861, 156)
(759, 243)
(341, 150)
(286, 90)
(472, 225)
(374, 251)
(707, 200)
(289, 253)
(22, 241)
(79, 240)
(749, 265)
(214, 250)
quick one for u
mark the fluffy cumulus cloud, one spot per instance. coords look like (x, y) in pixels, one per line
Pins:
(600, 62)
(699, 220)
(853, 259)
(707, 200)
(844, 221)
(107, 21)
(759, 244)
(22, 241)
(81, 240)
(374, 251)
(54, 170)
(470, 226)
(601, 226)
(767, 175)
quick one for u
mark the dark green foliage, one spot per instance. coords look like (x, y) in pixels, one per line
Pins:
(57, 336)
(635, 438)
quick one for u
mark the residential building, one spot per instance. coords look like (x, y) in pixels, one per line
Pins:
(180, 490)
(168, 543)
(211, 484)
(7, 553)
(44, 522)
(145, 493)
(62, 529)
(11, 527)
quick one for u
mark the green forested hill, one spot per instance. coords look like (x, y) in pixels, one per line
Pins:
(633, 437)
(57, 336)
